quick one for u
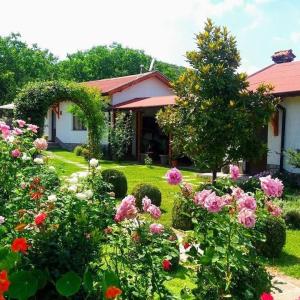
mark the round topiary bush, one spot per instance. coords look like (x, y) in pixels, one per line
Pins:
(274, 230)
(78, 150)
(86, 153)
(181, 214)
(118, 181)
(144, 189)
(292, 219)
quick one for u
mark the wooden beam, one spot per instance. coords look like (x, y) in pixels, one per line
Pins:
(139, 125)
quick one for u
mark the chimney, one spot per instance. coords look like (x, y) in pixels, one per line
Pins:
(283, 56)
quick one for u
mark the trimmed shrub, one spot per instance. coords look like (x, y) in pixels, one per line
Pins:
(292, 219)
(144, 189)
(78, 150)
(181, 212)
(118, 181)
(86, 153)
(274, 230)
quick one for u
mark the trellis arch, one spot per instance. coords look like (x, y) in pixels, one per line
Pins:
(33, 101)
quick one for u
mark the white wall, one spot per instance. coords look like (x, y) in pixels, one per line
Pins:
(148, 88)
(292, 134)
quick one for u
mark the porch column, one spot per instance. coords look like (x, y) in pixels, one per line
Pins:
(139, 125)
(170, 149)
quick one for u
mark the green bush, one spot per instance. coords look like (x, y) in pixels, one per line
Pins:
(118, 182)
(181, 212)
(144, 189)
(274, 231)
(175, 253)
(292, 219)
(86, 153)
(78, 150)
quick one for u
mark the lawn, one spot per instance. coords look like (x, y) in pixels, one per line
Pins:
(67, 163)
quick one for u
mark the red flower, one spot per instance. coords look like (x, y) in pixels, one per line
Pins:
(112, 292)
(108, 230)
(19, 245)
(186, 245)
(166, 264)
(36, 195)
(4, 282)
(40, 218)
(266, 296)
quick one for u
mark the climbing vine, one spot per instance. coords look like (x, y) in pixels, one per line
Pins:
(34, 100)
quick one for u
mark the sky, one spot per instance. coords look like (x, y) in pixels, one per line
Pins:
(165, 29)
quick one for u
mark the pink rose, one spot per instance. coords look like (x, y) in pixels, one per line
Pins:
(237, 192)
(17, 131)
(32, 128)
(247, 217)
(146, 203)
(200, 197)
(156, 228)
(234, 172)
(246, 201)
(213, 203)
(271, 187)
(227, 199)
(187, 189)
(266, 296)
(16, 153)
(275, 210)
(21, 123)
(40, 144)
(154, 211)
(174, 176)
(126, 209)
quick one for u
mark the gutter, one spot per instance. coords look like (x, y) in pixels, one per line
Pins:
(282, 143)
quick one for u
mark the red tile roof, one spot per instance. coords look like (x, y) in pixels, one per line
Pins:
(147, 102)
(284, 77)
(118, 84)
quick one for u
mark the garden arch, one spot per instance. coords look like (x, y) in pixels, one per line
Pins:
(33, 101)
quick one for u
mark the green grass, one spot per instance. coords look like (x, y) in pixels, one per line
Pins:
(135, 174)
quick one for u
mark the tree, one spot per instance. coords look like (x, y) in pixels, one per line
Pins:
(216, 119)
(20, 64)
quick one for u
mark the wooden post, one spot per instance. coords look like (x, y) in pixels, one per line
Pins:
(139, 125)
(170, 150)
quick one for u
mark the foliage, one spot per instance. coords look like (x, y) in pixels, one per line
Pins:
(78, 150)
(216, 119)
(21, 64)
(181, 214)
(292, 219)
(34, 100)
(146, 190)
(148, 161)
(274, 230)
(117, 180)
(293, 158)
(121, 134)
(111, 61)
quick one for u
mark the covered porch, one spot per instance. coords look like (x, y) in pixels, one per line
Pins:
(148, 137)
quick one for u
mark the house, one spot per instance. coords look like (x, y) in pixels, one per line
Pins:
(284, 129)
(143, 94)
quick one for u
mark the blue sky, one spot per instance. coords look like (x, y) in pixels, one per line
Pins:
(165, 29)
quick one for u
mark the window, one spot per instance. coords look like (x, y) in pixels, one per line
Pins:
(78, 124)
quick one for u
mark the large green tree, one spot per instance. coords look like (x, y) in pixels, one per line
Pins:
(20, 64)
(111, 61)
(216, 119)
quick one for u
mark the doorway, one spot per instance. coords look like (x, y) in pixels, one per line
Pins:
(53, 126)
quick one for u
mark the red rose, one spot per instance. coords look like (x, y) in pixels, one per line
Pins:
(19, 245)
(166, 264)
(112, 292)
(186, 245)
(266, 296)
(40, 219)
(4, 282)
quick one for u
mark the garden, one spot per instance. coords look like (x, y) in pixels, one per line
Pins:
(74, 227)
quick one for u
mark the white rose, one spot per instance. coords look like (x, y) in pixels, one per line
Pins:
(52, 198)
(72, 188)
(51, 168)
(82, 174)
(38, 161)
(81, 196)
(11, 139)
(89, 194)
(25, 157)
(94, 162)
(73, 180)
(99, 168)
(2, 220)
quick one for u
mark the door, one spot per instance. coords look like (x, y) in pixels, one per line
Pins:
(53, 126)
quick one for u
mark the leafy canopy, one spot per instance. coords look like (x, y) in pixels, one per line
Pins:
(216, 119)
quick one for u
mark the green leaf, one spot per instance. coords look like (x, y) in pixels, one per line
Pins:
(68, 284)
(23, 285)
(42, 277)
(88, 281)
(109, 279)
(8, 259)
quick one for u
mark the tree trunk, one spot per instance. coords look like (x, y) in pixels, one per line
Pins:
(214, 176)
